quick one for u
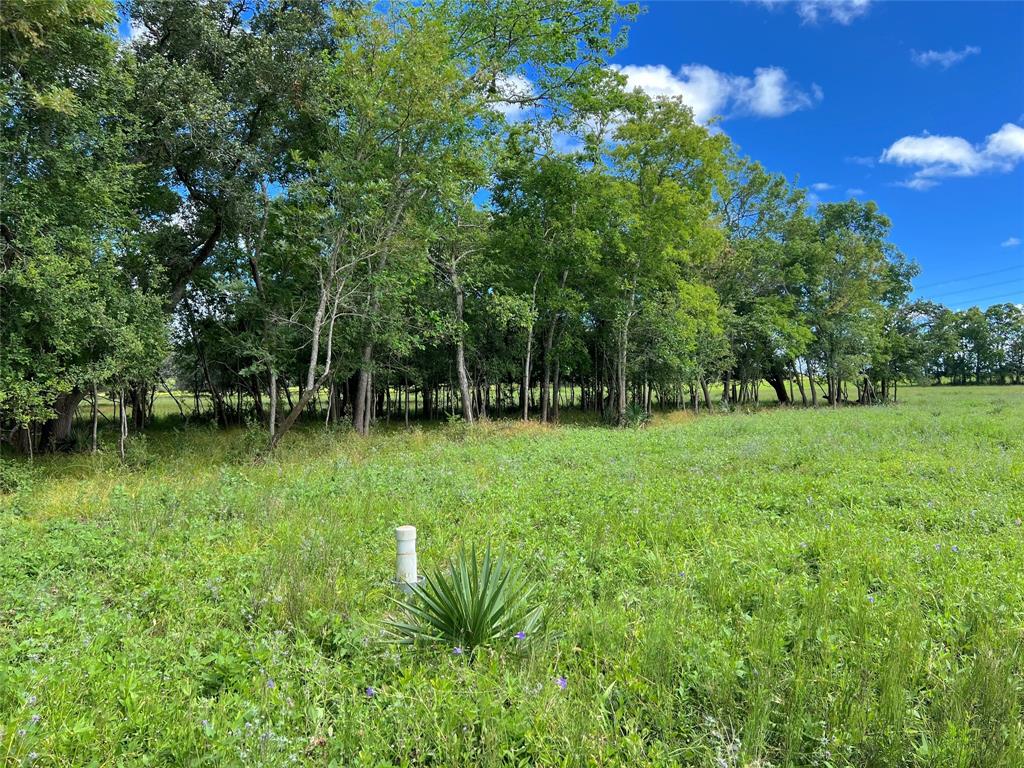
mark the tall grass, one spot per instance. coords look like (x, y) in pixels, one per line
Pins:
(794, 587)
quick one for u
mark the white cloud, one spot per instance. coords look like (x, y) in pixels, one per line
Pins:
(943, 156)
(1010, 242)
(813, 11)
(841, 11)
(854, 191)
(136, 32)
(710, 93)
(938, 155)
(822, 186)
(566, 143)
(917, 183)
(1007, 144)
(515, 93)
(944, 59)
(868, 162)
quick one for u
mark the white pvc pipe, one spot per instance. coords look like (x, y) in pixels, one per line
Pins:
(405, 562)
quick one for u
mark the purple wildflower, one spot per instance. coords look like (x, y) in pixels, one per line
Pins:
(561, 682)
(457, 650)
(271, 683)
(871, 599)
(520, 635)
(370, 691)
(36, 718)
(954, 548)
(22, 732)
(31, 700)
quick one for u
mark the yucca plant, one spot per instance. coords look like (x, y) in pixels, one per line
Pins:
(471, 603)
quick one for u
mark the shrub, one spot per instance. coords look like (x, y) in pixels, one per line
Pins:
(474, 602)
(636, 416)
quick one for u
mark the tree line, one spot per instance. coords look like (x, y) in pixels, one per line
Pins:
(278, 209)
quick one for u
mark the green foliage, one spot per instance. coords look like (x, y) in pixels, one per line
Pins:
(72, 281)
(15, 476)
(636, 416)
(783, 584)
(475, 602)
(137, 453)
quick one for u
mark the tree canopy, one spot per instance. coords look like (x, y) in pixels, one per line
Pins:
(354, 211)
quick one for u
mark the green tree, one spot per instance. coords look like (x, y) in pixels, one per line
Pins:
(75, 314)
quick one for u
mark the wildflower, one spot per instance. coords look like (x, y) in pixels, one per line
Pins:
(561, 682)
(271, 683)
(204, 723)
(22, 732)
(954, 549)
(871, 599)
(370, 691)
(938, 547)
(520, 635)
(36, 718)
(457, 650)
(32, 756)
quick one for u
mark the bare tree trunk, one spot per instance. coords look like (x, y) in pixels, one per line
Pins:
(359, 416)
(95, 417)
(124, 426)
(313, 383)
(800, 386)
(525, 389)
(167, 389)
(545, 384)
(620, 406)
(557, 389)
(460, 353)
(272, 424)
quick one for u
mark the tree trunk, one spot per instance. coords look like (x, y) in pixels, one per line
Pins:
(800, 386)
(777, 379)
(556, 394)
(95, 416)
(56, 431)
(124, 427)
(360, 417)
(707, 394)
(272, 424)
(525, 390)
(545, 385)
(460, 354)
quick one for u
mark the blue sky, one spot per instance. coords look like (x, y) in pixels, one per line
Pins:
(889, 101)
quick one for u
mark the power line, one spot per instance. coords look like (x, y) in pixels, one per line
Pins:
(1004, 296)
(969, 277)
(945, 295)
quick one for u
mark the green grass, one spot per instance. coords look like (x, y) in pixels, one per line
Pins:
(792, 587)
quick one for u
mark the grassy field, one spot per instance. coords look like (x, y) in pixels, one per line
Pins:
(791, 587)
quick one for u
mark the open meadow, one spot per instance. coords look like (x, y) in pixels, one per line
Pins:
(828, 587)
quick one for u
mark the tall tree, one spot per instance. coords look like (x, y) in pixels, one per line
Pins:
(71, 281)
